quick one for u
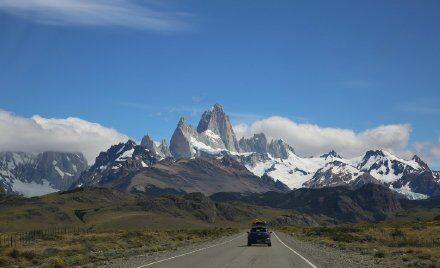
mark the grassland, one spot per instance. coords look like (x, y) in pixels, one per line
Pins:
(409, 243)
(117, 224)
(105, 210)
(79, 249)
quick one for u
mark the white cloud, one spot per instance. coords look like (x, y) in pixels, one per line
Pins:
(309, 139)
(120, 13)
(37, 134)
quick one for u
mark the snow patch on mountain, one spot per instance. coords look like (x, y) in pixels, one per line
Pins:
(32, 174)
(407, 191)
(125, 155)
(30, 189)
(293, 171)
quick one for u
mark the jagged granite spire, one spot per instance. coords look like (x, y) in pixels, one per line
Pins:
(180, 144)
(148, 143)
(163, 147)
(257, 143)
(218, 122)
(160, 150)
(279, 149)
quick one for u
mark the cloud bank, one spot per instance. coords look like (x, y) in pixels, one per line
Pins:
(37, 134)
(119, 13)
(309, 139)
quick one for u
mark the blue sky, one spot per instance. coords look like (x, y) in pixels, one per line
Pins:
(137, 66)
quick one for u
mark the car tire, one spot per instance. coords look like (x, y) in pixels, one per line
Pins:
(269, 244)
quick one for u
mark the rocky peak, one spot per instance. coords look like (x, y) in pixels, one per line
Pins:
(148, 143)
(218, 122)
(257, 143)
(180, 144)
(164, 149)
(182, 121)
(374, 153)
(161, 150)
(280, 149)
(118, 161)
(130, 144)
(332, 153)
(421, 163)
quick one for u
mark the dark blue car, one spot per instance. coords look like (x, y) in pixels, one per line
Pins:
(259, 235)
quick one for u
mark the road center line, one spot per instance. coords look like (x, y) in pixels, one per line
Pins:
(306, 260)
(191, 252)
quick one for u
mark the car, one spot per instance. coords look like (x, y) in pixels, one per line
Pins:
(259, 234)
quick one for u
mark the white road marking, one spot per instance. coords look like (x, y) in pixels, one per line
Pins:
(191, 252)
(306, 260)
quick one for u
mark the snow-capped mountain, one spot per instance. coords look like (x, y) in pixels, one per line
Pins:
(412, 178)
(134, 168)
(31, 174)
(119, 161)
(214, 136)
(338, 173)
(151, 163)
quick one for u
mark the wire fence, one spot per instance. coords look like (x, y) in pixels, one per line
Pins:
(24, 238)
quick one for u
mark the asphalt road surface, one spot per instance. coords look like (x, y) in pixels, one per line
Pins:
(235, 253)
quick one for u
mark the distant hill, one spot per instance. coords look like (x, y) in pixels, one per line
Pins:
(103, 208)
(371, 202)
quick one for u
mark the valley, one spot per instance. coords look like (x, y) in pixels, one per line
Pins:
(154, 199)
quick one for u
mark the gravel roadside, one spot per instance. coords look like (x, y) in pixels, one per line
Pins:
(138, 260)
(325, 257)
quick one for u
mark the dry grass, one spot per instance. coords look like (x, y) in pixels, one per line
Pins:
(413, 244)
(83, 249)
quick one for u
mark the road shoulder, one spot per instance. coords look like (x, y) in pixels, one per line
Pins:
(140, 260)
(325, 257)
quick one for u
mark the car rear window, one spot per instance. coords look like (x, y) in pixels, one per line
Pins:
(258, 229)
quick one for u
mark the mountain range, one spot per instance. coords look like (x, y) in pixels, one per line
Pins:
(210, 159)
(32, 174)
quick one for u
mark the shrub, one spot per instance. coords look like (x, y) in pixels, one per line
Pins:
(344, 237)
(397, 233)
(424, 255)
(29, 255)
(4, 261)
(57, 263)
(406, 257)
(14, 253)
(379, 254)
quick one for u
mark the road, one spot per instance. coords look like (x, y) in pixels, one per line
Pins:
(235, 253)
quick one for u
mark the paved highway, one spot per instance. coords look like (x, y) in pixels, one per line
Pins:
(235, 253)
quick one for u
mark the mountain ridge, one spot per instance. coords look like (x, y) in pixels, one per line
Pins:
(269, 161)
(33, 174)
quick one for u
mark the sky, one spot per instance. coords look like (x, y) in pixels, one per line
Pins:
(350, 75)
